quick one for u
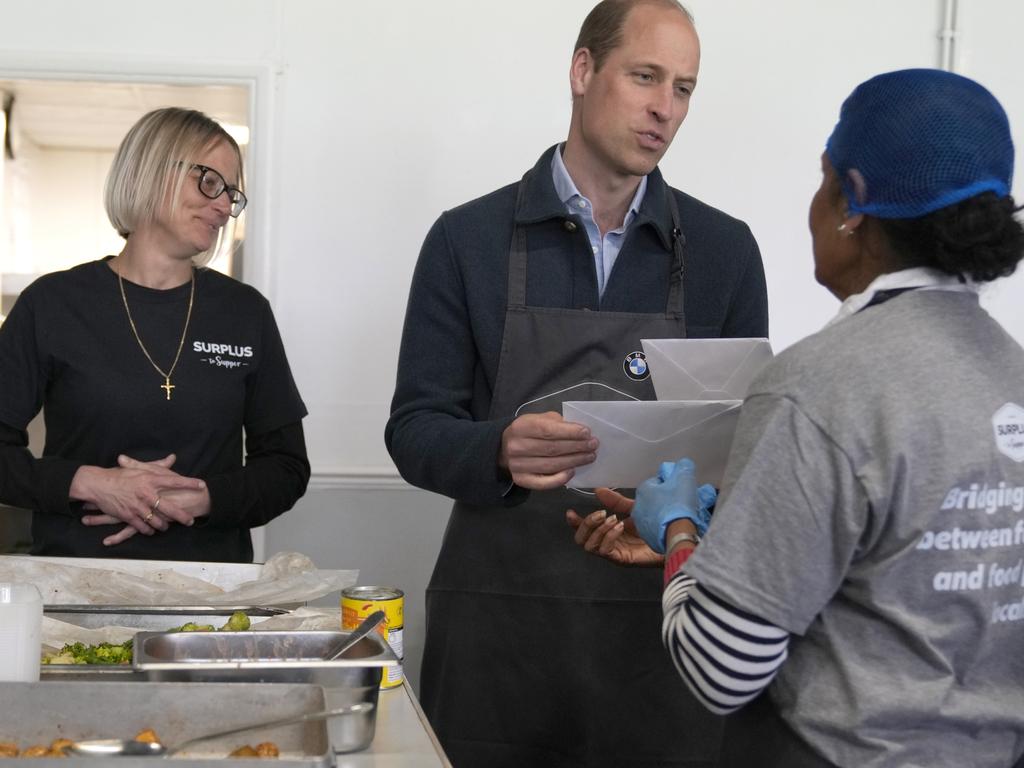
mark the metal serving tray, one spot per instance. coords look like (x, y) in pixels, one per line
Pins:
(90, 673)
(273, 656)
(144, 617)
(38, 713)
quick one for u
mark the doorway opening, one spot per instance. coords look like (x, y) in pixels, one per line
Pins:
(59, 138)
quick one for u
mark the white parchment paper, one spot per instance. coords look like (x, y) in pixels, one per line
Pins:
(286, 578)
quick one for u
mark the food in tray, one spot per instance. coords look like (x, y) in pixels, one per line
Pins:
(238, 622)
(56, 749)
(263, 749)
(102, 653)
(121, 653)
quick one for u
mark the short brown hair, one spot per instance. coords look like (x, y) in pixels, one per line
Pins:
(601, 32)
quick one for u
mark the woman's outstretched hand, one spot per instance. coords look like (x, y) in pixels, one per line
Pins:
(611, 533)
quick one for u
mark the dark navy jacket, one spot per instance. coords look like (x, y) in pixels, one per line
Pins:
(439, 434)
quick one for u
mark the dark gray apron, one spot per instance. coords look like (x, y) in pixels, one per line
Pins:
(536, 652)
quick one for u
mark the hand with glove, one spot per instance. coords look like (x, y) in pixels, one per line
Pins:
(672, 495)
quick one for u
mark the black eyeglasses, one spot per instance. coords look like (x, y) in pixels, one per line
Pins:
(213, 185)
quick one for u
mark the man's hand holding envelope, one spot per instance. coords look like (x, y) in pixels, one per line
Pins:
(540, 450)
(707, 380)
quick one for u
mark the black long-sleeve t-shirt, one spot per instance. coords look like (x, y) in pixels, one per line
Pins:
(68, 348)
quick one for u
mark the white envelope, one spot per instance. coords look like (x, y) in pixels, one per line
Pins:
(636, 436)
(705, 369)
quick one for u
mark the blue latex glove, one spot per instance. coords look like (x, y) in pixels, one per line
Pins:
(672, 495)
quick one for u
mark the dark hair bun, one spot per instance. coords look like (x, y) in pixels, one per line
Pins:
(978, 238)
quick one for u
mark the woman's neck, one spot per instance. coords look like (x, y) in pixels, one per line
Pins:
(148, 267)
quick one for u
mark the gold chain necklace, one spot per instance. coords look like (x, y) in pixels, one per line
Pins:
(166, 386)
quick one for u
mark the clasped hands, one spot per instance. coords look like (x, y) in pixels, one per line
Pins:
(632, 532)
(147, 496)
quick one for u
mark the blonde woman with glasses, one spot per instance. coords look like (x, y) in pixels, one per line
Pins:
(150, 369)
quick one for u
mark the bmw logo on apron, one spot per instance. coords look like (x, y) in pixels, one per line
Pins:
(635, 366)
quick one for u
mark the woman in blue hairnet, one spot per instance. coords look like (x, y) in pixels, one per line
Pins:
(859, 597)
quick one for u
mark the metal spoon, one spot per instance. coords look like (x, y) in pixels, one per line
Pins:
(365, 627)
(130, 747)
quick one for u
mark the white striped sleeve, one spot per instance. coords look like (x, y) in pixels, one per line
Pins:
(726, 656)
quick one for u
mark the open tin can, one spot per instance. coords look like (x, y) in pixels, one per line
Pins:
(359, 602)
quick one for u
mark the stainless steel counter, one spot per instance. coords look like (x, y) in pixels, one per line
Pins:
(403, 737)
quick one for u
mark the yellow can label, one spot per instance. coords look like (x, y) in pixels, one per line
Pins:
(359, 602)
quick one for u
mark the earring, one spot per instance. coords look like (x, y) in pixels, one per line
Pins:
(842, 228)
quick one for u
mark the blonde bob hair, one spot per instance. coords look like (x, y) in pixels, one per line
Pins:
(155, 158)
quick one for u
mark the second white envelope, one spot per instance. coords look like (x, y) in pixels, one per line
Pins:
(636, 436)
(705, 369)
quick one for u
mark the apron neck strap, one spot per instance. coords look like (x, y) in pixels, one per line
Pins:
(517, 255)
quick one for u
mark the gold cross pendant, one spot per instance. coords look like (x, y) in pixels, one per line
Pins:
(167, 386)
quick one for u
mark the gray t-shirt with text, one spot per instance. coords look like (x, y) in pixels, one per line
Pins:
(874, 506)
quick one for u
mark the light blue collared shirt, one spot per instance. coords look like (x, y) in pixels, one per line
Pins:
(606, 249)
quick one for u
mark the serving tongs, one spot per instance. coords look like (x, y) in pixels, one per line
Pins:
(134, 748)
(366, 626)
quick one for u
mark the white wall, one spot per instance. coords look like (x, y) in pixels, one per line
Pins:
(371, 121)
(374, 117)
(986, 54)
(66, 231)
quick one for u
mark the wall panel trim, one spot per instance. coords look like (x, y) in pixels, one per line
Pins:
(357, 479)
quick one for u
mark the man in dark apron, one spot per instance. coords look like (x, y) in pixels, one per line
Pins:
(536, 653)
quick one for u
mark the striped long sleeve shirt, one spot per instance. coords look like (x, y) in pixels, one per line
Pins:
(726, 656)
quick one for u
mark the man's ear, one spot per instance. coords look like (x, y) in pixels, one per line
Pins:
(580, 70)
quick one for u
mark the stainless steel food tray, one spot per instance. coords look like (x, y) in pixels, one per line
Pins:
(273, 656)
(38, 713)
(95, 673)
(256, 651)
(158, 618)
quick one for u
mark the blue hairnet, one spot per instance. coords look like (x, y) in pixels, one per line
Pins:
(922, 139)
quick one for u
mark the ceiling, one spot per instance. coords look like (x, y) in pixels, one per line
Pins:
(97, 115)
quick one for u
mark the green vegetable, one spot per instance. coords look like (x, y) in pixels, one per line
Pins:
(104, 653)
(191, 626)
(113, 653)
(238, 622)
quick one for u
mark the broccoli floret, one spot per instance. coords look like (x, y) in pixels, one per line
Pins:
(238, 622)
(104, 653)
